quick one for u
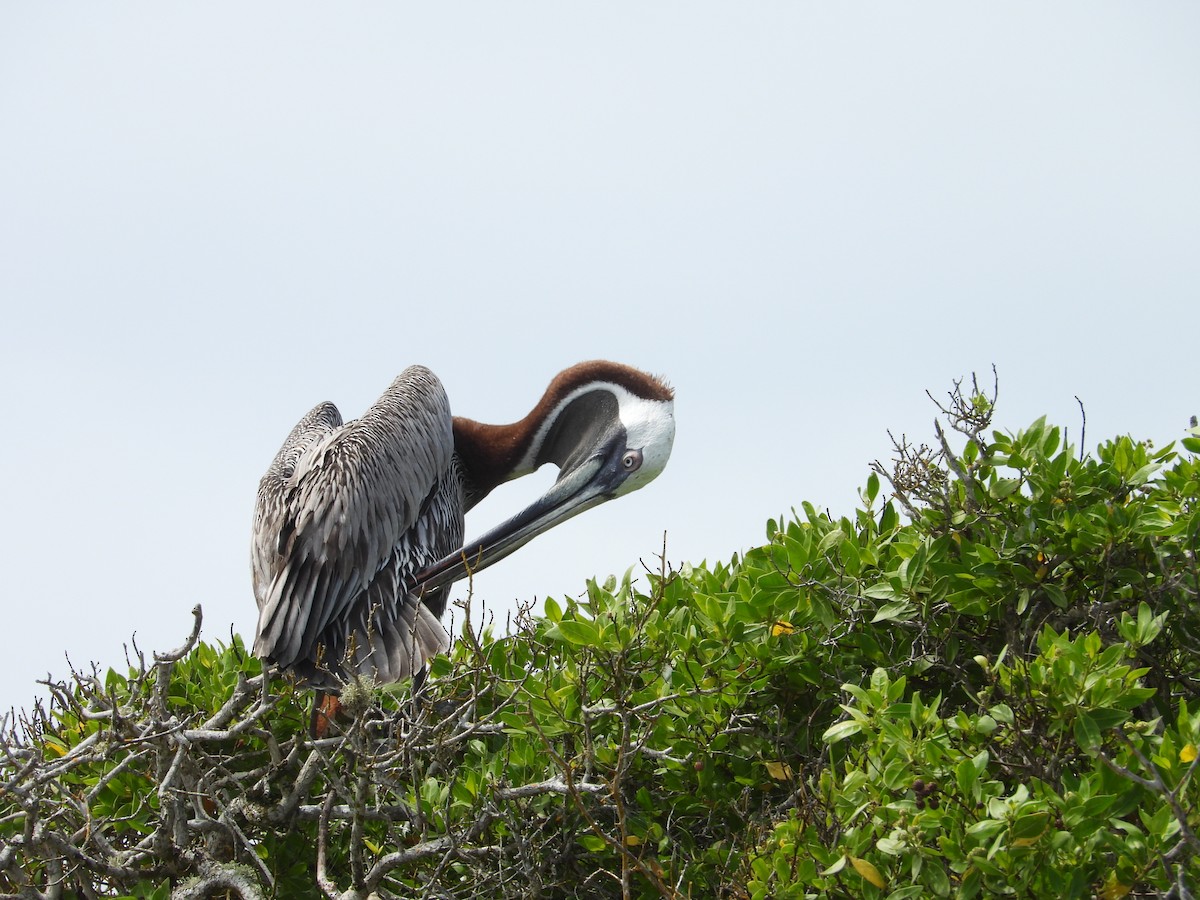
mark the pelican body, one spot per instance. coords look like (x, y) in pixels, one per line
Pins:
(358, 526)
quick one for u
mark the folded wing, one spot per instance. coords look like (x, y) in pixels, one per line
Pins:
(345, 514)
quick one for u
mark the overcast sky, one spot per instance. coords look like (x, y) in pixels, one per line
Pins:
(214, 216)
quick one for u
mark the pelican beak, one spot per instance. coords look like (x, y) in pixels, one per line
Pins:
(589, 484)
(612, 469)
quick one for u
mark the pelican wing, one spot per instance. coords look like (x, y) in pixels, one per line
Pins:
(314, 429)
(342, 521)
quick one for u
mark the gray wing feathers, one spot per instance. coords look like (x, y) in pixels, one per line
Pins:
(315, 428)
(335, 534)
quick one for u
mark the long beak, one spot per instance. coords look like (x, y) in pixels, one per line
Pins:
(589, 484)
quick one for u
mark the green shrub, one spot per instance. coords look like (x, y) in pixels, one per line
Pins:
(984, 684)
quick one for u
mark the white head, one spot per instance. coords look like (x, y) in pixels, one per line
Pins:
(609, 429)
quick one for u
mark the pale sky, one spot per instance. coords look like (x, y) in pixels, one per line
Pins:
(214, 216)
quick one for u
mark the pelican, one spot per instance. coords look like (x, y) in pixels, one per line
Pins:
(358, 526)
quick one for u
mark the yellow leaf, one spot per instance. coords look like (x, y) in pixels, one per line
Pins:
(632, 840)
(868, 871)
(1188, 753)
(55, 746)
(1113, 889)
(779, 771)
(781, 627)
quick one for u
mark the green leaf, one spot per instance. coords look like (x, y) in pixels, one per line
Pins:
(889, 519)
(1004, 487)
(1148, 625)
(881, 591)
(985, 725)
(967, 778)
(872, 488)
(592, 842)
(985, 829)
(1031, 825)
(1087, 732)
(891, 611)
(840, 731)
(831, 539)
(938, 879)
(578, 631)
(836, 866)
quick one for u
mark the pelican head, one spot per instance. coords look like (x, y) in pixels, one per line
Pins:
(607, 427)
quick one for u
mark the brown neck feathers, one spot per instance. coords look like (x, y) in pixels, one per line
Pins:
(490, 454)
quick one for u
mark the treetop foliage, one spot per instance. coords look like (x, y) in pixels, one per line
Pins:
(983, 682)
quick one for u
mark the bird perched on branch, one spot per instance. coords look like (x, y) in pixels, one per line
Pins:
(358, 528)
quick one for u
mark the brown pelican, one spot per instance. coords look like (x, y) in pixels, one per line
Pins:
(358, 526)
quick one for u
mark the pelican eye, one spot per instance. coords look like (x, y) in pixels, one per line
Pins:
(632, 460)
(288, 471)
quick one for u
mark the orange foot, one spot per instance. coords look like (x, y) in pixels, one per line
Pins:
(325, 709)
